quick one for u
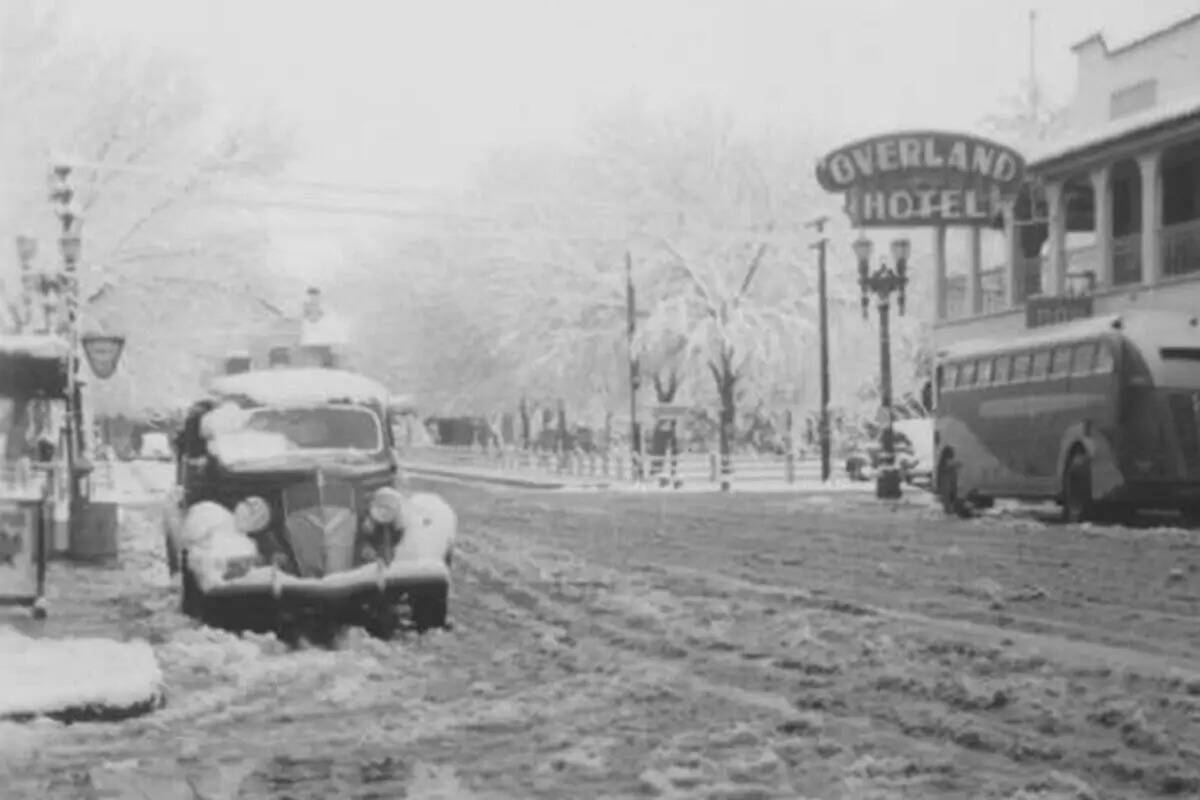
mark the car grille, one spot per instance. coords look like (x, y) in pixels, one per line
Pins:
(322, 526)
(1185, 412)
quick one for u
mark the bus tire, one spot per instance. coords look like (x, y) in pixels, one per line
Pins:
(1077, 502)
(947, 487)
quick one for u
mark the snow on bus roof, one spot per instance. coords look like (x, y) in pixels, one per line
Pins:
(283, 386)
(1076, 329)
(34, 346)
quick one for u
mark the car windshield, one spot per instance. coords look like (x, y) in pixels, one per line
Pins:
(321, 427)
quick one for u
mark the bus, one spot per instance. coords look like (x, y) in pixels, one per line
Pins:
(1101, 415)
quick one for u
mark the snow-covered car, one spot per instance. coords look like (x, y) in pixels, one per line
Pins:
(913, 443)
(290, 514)
(156, 446)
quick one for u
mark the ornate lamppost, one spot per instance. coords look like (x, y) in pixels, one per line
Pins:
(70, 244)
(882, 283)
(26, 252)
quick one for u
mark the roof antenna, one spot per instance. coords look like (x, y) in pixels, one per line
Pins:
(1034, 100)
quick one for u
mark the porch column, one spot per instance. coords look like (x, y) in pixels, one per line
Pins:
(939, 264)
(1056, 256)
(1149, 164)
(974, 278)
(1102, 192)
(1012, 258)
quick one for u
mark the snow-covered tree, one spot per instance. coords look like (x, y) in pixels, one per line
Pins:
(155, 150)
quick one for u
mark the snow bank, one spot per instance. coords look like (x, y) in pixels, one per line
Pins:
(76, 678)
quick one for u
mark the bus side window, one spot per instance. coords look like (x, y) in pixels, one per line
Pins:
(1041, 365)
(1060, 361)
(1003, 368)
(947, 375)
(1020, 368)
(985, 372)
(1083, 358)
(966, 374)
(1104, 359)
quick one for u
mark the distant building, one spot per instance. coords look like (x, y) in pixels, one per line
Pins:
(1113, 208)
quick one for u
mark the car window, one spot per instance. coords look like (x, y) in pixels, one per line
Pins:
(1041, 365)
(1020, 367)
(340, 427)
(1104, 358)
(1083, 357)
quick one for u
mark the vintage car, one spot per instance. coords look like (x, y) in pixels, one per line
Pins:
(289, 514)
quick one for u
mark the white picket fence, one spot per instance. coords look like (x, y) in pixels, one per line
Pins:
(687, 469)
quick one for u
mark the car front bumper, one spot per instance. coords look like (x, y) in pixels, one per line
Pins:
(257, 599)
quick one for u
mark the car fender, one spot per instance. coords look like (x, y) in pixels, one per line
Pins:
(1106, 475)
(430, 528)
(203, 522)
(172, 526)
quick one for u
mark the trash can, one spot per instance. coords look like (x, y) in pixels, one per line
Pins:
(21, 571)
(94, 536)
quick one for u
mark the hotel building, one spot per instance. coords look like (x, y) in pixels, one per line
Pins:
(1112, 209)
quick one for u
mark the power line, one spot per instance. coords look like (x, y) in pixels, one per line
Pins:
(163, 171)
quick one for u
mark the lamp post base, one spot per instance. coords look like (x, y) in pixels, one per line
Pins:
(887, 484)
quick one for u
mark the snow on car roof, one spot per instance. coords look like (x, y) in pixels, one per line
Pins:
(278, 387)
(34, 346)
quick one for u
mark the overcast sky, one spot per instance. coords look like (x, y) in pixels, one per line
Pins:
(398, 93)
(411, 92)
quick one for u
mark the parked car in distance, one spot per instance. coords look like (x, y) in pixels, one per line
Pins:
(913, 444)
(156, 446)
(289, 514)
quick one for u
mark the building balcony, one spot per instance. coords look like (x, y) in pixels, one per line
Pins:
(1180, 248)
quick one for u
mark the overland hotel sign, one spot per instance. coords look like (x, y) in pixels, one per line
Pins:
(922, 178)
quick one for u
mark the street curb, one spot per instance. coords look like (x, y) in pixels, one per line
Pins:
(500, 480)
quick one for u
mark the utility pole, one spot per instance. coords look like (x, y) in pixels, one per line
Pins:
(822, 290)
(634, 376)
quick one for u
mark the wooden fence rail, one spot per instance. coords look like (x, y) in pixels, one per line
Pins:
(684, 469)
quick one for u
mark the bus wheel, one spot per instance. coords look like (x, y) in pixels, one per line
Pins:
(947, 484)
(1077, 489)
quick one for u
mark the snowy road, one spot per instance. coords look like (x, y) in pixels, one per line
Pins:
(697, 646)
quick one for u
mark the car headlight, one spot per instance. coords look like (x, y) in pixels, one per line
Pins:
(387, 506)
(237, 567)
(252, 515)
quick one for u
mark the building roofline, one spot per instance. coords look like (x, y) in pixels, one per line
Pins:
(1145, 123)
(1138, 40)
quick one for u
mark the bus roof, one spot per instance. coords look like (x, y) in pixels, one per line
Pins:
(1141, 322)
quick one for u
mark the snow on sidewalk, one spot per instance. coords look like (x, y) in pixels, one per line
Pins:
(76, 679)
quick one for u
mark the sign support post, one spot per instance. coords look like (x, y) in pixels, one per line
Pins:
(823, 299)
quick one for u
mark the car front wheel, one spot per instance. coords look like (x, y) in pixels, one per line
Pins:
(189, 602)
(429, 608)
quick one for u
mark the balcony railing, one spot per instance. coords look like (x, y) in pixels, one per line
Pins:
(1181, 248)
(1127, 259)
(1083, 259)
(991, 285)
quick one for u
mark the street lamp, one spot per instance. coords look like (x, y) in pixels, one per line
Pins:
(26, 252)
(882, 283)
